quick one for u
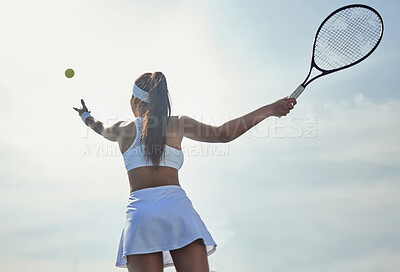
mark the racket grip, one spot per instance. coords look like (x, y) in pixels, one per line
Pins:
(297, 92)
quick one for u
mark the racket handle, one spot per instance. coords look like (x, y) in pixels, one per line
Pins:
(297, 92)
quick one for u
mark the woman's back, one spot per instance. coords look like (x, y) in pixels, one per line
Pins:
(142, 176)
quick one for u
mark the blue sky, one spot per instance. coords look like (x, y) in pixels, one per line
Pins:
(316, 191)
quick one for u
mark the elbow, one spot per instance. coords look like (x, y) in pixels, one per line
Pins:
(224, 136)
(225, 140)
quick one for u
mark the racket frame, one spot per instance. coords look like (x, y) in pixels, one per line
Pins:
(324, 72)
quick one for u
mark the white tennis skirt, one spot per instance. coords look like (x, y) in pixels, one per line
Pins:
(161, 219)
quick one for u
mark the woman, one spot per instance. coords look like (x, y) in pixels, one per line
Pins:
(162, 227)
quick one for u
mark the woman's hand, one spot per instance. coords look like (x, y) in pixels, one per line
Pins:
(83, 109)
(282, 107)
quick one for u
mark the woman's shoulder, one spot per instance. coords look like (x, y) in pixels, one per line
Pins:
(174, 118)
(127, 124)
(174, 123)
(128, 128)
(179, 118)
(182, 121)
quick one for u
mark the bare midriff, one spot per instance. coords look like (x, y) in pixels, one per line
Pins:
(149, 176)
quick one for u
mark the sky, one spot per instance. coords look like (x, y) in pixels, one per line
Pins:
(315, 191)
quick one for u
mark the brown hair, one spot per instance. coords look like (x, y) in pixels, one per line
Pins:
(155, 114)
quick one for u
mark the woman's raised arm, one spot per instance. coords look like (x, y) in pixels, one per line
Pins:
(234, 128)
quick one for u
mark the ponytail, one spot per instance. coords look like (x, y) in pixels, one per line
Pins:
(156, 115)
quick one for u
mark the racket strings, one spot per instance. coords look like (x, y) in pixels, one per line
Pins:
(341, 50)
(339, 43)
(346, 37)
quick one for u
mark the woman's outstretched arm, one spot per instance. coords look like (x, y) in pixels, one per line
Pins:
(234, 128)
(110, 133)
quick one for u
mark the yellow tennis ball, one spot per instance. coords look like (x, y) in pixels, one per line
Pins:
(69, 73)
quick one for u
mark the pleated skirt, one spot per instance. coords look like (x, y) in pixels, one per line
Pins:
(161, 219)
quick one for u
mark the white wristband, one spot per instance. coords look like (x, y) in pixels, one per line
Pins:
(84, 116)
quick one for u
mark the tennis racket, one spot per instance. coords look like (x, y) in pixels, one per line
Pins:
(346, 37)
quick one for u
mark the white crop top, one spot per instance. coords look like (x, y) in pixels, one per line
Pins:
(135, 157)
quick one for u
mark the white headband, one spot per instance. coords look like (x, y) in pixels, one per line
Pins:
(139, 93)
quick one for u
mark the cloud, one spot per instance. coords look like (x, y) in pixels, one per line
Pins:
(364, 131)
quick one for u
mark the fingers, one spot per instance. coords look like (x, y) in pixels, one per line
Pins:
(288, 105)
(83, 103)
(81, 110)
(283, 114)
(291, 100)
(284, 106)
(84, 108)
